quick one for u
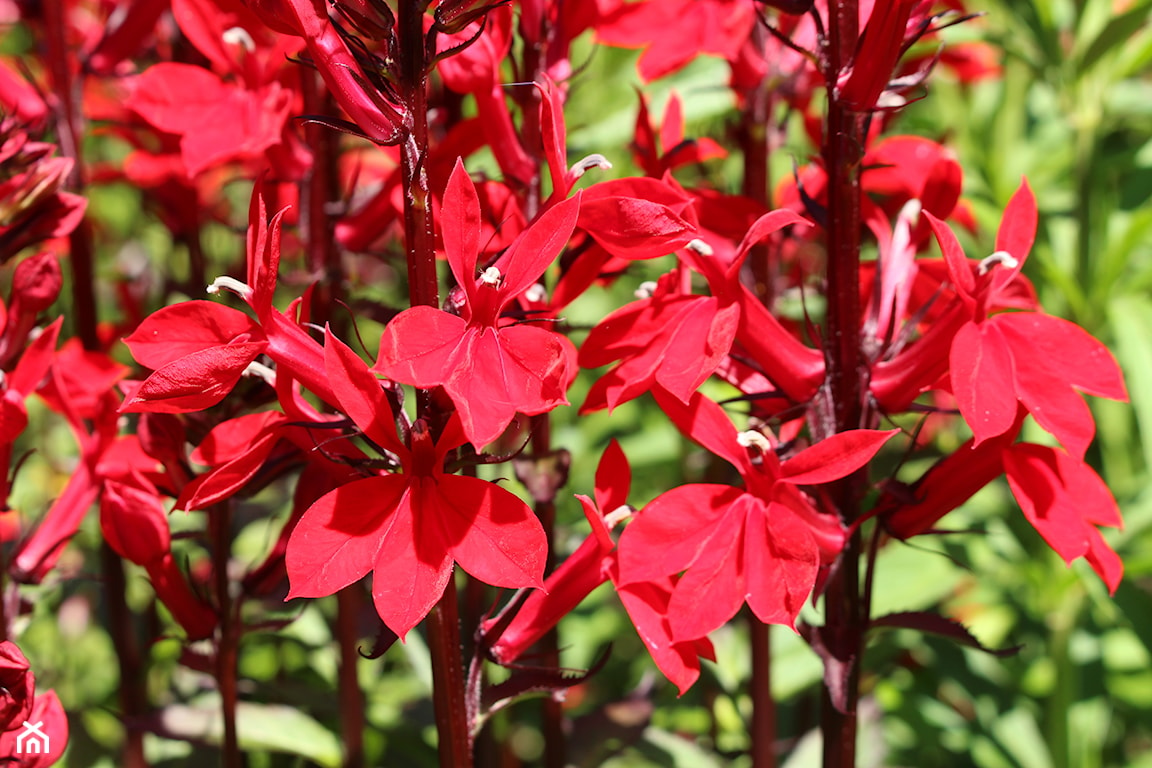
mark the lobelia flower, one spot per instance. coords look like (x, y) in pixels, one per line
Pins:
(594, 562)
(198, 350)
(1062, 497)
(408, 529)
(764, 544)
(1030, 357)
(676, 340)
(491, 367)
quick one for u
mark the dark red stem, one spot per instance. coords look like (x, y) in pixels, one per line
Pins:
(448, 696)
(228, 632)
(133, 694)
(453, 724)
(348, 603)
(321, 190)
(755, 137)
(71, 136)
(845, 622)
(763, 704)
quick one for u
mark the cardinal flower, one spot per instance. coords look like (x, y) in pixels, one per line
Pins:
(199, 350)
(408, 528)
(1031, 357)
(491, 367)
(593, 563)
(763, 544)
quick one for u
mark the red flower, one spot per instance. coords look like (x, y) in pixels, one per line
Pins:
(594, 562)
(492, 368)
(199, 350)
(1035, 358)
(408, 528)
(764, 544)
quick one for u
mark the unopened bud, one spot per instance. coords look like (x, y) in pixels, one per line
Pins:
(36, 283)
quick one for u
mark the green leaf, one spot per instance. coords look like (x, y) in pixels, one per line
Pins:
(260, 728)
(1131, 316)
(1115, 35)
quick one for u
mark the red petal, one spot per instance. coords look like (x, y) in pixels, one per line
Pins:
(1018, 225)
(771, 222)
(1066, 349)
(705, 422)
(982, 380)
(536, 248)
(232, 439)
(411, 571)
(647, 606)
(674, 530)
(460, 227)
(419, 347)
(492, 533)
(341, 536)
(175, 97)
(134, 523)
(359, 394)
(697, 346)
(781, 562)
(959, 266)
(613, 478)
(36, 360)
(632, 228)
(1063, 498)
(838, 456)
(515, 369)
(194, 382)
(176, 331)
(712, 590)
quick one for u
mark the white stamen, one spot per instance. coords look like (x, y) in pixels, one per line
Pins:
(911, 212)
(261, 371)
(618, 515)
(699, 247)
(491, 276)
(998, 259)
(239, 36)
(755, 439)
(240, 289)
(536, 293)
(646, 289)
(580, 167)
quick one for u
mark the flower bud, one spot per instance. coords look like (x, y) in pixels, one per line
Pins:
(17, 686)
(36, 283)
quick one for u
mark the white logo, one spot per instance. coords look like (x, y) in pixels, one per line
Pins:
(32, 741)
